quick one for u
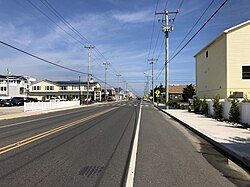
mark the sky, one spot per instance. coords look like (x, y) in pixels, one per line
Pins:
(125, 33)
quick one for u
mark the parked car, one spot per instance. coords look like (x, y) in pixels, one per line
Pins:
(15, 102)
(6, 102)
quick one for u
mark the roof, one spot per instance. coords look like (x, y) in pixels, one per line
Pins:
(224, 33)
(12, 76)
(73, 82)
(176, 88)
(65, 82)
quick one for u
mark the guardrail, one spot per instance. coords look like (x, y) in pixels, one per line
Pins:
(37, 106)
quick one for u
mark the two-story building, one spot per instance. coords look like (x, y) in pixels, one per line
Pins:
(15, 86)
(65, 90)
(223, 66)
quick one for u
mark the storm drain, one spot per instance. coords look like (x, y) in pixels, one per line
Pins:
(91, 171)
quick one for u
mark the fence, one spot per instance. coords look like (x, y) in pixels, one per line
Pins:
(36, 106)
(244, 110)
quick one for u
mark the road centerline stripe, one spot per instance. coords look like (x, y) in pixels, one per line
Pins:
(31, 139)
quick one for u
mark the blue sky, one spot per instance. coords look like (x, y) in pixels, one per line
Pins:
(121, 30)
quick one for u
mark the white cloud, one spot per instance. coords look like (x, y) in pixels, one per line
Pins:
(134, 17)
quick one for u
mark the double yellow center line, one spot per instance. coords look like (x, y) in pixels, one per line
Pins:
(23, 142)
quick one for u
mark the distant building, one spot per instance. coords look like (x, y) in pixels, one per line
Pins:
(120, 94)
(110, 94)
(175, 92)
(15, 86)
(223, 66)
(65, 90)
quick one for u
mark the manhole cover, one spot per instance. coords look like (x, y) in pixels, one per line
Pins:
(91, 171)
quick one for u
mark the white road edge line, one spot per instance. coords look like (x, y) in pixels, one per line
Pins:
(132, 163)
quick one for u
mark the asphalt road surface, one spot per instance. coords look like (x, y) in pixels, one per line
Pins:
(92, 147)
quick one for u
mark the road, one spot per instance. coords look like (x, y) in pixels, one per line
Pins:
(92, 147)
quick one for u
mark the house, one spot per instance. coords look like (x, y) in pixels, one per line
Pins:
(110, 93)
(15, 86)
(175, 92)
(120, 94)
(223, 66)
(65, 90)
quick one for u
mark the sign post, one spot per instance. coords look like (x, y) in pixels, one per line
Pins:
(157, 92)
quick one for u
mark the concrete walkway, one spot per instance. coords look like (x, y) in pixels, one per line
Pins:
(230, 138)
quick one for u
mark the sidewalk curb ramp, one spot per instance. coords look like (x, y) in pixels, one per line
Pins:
(241, 161)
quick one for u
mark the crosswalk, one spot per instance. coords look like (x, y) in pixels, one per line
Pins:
(123, 104)
(126, 104)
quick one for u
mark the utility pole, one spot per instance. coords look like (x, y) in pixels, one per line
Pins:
(126, 91)
(151, 61)
(166, 29)
(105, 94)
(119, 85)
(146, 90)
(80, 94)
(8, 84)
(88, 47)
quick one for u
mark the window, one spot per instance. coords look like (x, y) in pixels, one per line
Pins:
(75, 87)
(49, 87)
(36, 87)
(245, 72)
(3, 88)
(22, 90)
(63, 88)
(206, 54)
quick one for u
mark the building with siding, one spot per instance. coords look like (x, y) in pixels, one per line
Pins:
(65, 90)
(15, 86)
(223, 66)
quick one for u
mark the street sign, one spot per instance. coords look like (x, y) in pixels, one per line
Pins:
(157, 92)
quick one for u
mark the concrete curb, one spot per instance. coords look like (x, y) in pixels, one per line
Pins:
(242, 161)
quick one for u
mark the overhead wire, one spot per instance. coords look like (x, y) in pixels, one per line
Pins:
(180, 5)
(75, 31)
(193, 27)
(60, 17)
(194, 35)
(42, 59)
(217, 10)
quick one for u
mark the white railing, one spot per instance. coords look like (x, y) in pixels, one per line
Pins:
(244, 110)
(36, 106)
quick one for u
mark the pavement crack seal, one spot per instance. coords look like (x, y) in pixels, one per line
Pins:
(31, 139)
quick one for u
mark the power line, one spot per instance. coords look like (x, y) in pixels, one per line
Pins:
(153, 28)
(192, 27)
(192, 37)
(198, 30)
(42, 59)
(67, 24)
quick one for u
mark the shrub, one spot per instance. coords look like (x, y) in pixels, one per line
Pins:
(217, 107)
(197, 105)
(234, 113)
(204, 106)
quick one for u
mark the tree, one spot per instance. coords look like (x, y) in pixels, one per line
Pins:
(217, 107)
(204, 106)
(197, 105)
(188, 92)
(234, 113)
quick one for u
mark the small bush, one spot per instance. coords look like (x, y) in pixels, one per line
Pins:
(197, 105)
(217, 107)
(234, 113)
(204, 106)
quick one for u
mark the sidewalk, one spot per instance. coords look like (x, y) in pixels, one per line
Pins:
(231, 139)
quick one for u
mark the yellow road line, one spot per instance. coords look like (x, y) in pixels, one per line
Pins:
(23, 142)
